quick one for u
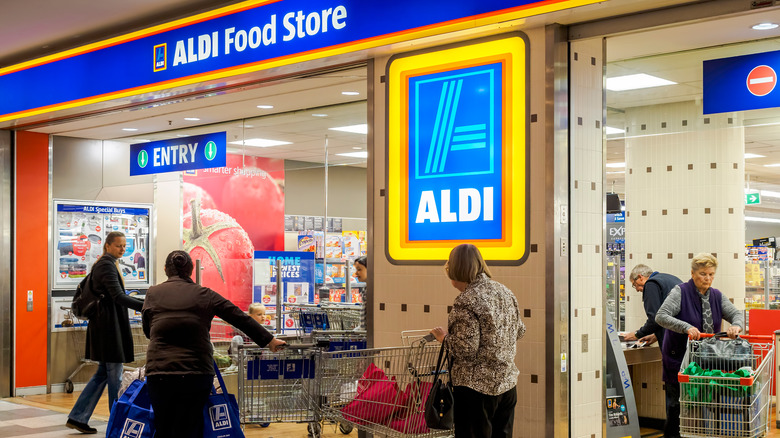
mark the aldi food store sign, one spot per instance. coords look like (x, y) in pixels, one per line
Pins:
(178, 154)
(242, 38)
(457, 151)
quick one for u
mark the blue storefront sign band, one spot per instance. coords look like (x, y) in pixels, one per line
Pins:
(741, 83)
(262, 32)
(188, 153)
(455, 154)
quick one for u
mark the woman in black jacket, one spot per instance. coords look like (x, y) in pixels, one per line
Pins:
(109, 339)
(177, 318)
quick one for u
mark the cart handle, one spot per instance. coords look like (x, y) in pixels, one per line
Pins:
(749, 338)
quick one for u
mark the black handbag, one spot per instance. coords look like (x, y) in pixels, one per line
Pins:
(439, 406)
(724, 355)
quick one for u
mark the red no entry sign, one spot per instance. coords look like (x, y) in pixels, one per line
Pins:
(761, 80)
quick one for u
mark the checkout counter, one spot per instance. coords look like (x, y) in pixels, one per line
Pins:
(634, 386)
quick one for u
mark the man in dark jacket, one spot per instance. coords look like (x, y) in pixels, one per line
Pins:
(109, 339)
(654, 287)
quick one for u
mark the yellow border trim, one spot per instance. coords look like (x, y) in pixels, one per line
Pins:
(434, 29)
(512, 246)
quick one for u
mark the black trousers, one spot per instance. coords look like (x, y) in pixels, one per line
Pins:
(178, 401)
(672, 425)
(484, 416)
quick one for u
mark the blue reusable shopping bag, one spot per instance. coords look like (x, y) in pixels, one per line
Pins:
(220, 415)
(132, 416)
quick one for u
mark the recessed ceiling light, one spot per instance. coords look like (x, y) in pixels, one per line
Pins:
(358, 148)
(610, 130)
(319, 115)
(130, 129)
(772, 165)
(355, 129)
(191, 119)
(749, 155)
(769, 194)
(616, 164)
(635, 82)
(761, 219)
(260, 142)
(764, 26)
(363, 154)
(616, 173)
(265, 106)
(350, 93)
(182, 135)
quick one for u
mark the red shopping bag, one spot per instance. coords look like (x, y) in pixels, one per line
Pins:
(377, 399)
(412, 419)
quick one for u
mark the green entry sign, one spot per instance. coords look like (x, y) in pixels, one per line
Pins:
(752, 198)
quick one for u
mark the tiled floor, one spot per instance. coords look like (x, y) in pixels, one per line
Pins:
(18, 420)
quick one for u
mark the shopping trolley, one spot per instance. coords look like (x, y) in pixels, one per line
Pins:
(280, 387)
(78, 340)
(723, 401)
(380, 390)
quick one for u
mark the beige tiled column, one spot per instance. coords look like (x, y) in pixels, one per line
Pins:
(684, 195)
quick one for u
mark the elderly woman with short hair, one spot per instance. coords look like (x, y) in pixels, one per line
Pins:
(690, 309)
(484, 327)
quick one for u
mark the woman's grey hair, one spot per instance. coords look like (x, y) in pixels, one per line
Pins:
(638, 270)
(703, 260)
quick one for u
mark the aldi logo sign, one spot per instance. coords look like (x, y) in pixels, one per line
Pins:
(160, 57)
(132, 429)
(457, 151)
(219, 417)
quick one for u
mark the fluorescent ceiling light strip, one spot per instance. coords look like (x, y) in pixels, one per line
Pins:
(260, 142)
(616, 164)
(749, 155)
(635, 82)
(363, 154)
(762, 219)
(355, 129)
(610, 130)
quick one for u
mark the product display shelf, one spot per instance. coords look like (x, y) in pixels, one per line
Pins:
(762, 284)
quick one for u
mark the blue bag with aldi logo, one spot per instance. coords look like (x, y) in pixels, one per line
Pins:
(220, 415)
(131, 415)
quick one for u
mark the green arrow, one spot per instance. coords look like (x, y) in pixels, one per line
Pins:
(211, 150)
(143, 159)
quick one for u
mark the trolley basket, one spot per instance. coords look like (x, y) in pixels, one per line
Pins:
(380, 390)
(720, 400)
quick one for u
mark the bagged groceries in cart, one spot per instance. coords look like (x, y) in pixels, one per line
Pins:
(724, 387)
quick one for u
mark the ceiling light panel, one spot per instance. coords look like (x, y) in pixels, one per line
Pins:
(260, 142)
(355, 129)
(635, 82)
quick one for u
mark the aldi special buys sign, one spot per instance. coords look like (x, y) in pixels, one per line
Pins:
(457, 136)
(237, 39)
(197, 152)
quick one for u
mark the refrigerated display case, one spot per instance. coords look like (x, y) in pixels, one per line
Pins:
(762, 284)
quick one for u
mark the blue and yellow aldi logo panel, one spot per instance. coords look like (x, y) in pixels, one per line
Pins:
(160, 57)
(457, 131)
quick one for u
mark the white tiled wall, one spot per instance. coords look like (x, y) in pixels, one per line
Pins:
(587, 224)
(684, 195)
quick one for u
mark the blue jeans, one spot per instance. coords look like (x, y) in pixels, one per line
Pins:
(108, 373)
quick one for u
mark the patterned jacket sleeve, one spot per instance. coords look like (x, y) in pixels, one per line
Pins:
(463, 338)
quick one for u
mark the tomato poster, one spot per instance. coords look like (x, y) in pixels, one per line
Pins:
(80, 229)
(230, 212)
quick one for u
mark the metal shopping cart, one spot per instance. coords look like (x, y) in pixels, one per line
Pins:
(380, 390)
(78, 339)
(281, 387)
(726, 396)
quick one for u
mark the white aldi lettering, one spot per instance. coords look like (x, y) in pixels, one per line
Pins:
(219, 417)
(132, 429)
(472, 205)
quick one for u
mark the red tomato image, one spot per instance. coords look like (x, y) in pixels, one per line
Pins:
(257, 203)
(225, 252)
(193, 191)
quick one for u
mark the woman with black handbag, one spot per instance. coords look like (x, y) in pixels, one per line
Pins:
(481, 339)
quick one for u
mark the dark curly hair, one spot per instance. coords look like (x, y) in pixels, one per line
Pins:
(179, 263)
